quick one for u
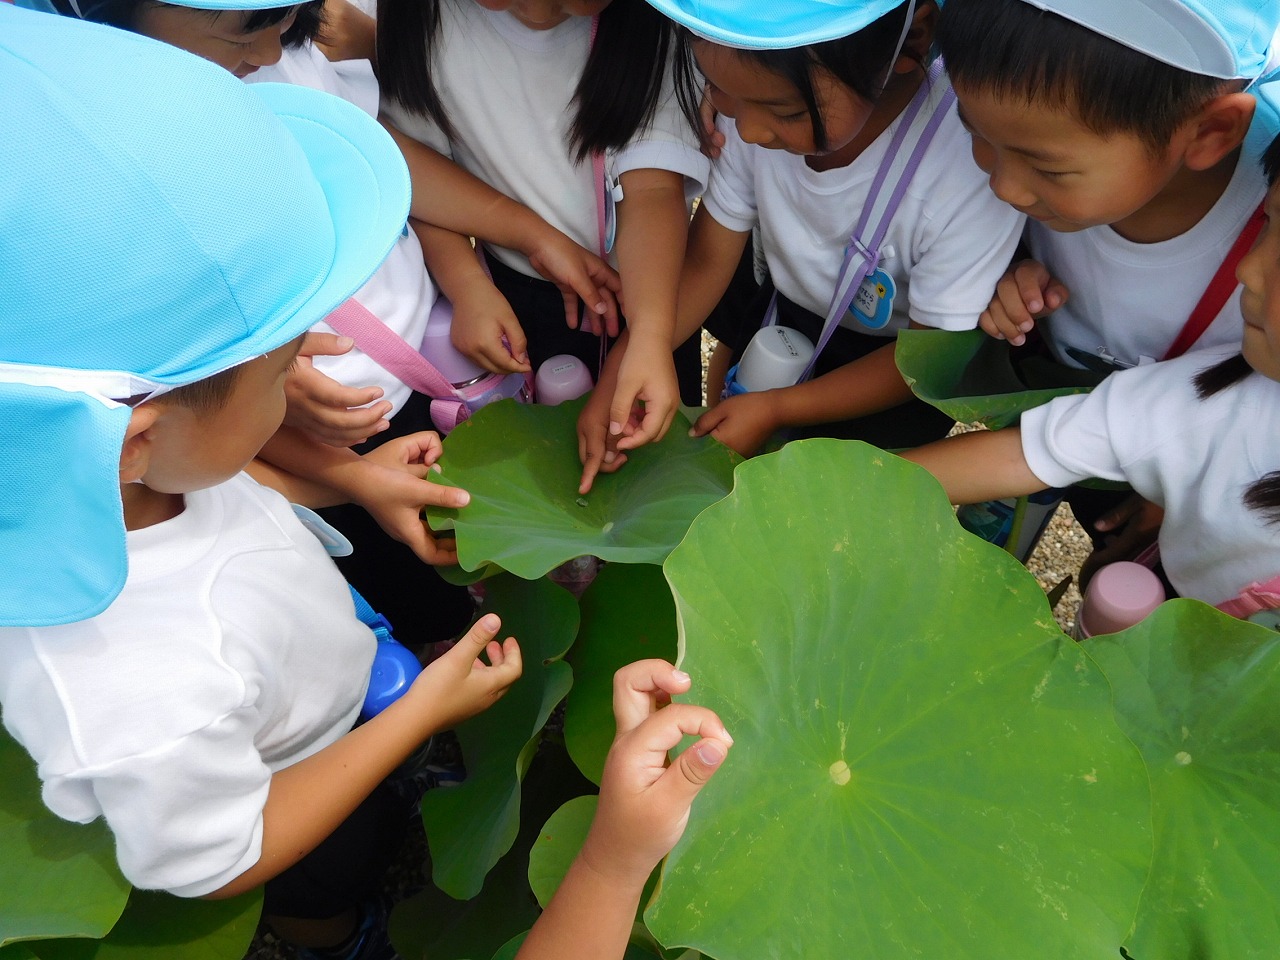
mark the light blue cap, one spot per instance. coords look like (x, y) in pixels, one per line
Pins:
(160, 221)
(1231, 39)
(776, 24)
(84, 9)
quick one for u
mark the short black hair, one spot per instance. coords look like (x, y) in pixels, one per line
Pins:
(1013, 50)
(860, 61)
(123, 14)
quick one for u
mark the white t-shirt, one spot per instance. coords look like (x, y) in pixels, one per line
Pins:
(1193, 457)
(509, 91)
(232, 652)
(401, 293)
(946, 247)
(1131, 300)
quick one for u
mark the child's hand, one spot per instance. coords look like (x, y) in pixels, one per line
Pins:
(579, 274)
(743, 422)
(644, 803)
(1023, 295)
(597, 447)
(459, 684)
(325, 409)
(647, 374)
(482, 320)
(393, 489)
(713, 140)
(1135, 525)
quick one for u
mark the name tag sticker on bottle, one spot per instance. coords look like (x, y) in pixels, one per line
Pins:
(873, 303)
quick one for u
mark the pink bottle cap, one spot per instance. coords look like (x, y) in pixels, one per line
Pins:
(440, 351)
(560, 378)
(1119, 595)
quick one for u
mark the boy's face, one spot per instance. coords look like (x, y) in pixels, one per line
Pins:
(1259, 272)
(218, 36)
(194, 450)
(1043, 161)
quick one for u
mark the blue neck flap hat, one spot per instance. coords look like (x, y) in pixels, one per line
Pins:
(1231, 39)
(160, 222)
(778, 24)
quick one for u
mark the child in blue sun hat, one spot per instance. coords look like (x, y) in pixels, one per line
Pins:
(843, 147)
(1121, 131)
(180, 657)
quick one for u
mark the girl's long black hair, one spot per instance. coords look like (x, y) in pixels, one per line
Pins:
(616, 96)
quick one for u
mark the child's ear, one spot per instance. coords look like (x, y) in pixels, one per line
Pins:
(135, 454)
(1218, 128)
(915, 51)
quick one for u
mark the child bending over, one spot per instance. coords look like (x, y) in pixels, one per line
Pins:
(1196, 436)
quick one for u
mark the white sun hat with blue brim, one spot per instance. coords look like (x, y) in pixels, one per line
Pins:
(1231, 39)
(160, 222)
(776, 25)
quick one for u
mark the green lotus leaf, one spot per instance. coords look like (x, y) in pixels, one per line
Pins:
(16, 951)
(627, 615)
(470, 826)
(558, 843)
(157, 926)
(520, 464)
(925, 765)
(60, 879)
(1197, 690)
(512, 947)
(971, 377)
(434, 926)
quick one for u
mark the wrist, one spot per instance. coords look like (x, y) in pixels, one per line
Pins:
(600, 863)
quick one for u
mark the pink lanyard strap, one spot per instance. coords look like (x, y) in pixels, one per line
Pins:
(863, 251)
(395, 355)
(1254, 598)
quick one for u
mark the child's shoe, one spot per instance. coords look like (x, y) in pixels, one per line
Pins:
(369, 941)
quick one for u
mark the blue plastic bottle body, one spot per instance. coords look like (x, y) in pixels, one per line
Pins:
(394, 669)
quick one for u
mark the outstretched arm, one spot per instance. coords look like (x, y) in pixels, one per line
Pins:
(644, 806)
(307, 801)
(984, 465)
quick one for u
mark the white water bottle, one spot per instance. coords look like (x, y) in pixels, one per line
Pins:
(476, 387)
(775, 358)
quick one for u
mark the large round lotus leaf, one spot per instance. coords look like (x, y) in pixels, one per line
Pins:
(627, 615)
(57, 879)
(971, 376)
(157, 926)
(17, 951)
(520, 464)
(470, 826)
(512, 947)
(925, 766)
(434, 926)
(1197, 691)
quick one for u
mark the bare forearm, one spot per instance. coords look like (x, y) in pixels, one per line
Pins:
(865, 386)
(450, 197)
(450, 259)
(307, 801)
(322, 475)
(710, 261)
(653, 226)
(590, 917)
(984, 465)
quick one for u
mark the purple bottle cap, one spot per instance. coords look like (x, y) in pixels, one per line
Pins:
(560, 378)
(1119, 595)
(439, 350)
